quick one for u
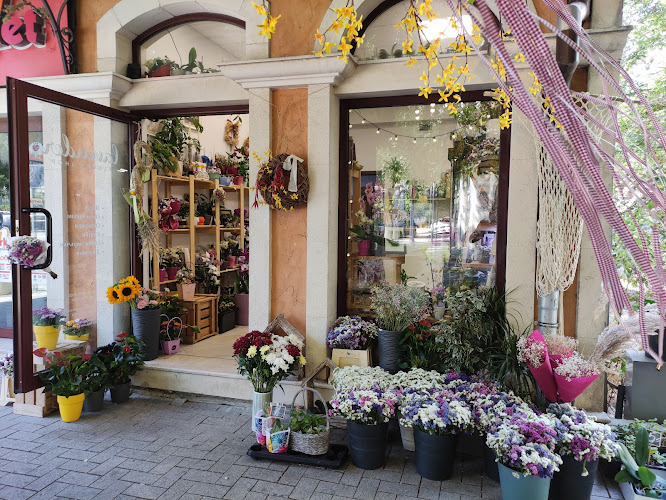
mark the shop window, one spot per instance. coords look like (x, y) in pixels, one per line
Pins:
(423, 192)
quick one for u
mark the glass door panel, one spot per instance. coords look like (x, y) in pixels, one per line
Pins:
(69, 175)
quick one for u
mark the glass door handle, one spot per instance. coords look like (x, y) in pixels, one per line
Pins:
(49, 233)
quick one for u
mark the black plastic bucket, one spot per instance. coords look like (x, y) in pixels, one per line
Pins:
(490, 469)
(146, 328)
(120, 393)
(570, 484)
(94, 401)
(367, 444)
(389, 350)
(434, 455)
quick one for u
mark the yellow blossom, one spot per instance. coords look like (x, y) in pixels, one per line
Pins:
(252, 351)
(302, 360)
(264, 349)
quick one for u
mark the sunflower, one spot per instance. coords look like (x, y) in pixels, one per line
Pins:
(113, 296)
(126, 289)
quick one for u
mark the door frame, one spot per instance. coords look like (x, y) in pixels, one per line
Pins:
(18, 92)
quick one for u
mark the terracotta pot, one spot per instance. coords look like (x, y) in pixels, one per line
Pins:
(163, 71)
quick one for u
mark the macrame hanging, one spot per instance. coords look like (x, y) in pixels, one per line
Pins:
(559, 226)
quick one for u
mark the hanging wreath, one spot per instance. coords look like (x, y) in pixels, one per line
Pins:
(232, 132)
(246, 144)
(283, 182)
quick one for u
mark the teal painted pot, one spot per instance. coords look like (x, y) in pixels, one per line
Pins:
(515, 486)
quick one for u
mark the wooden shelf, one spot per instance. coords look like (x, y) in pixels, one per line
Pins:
(230, 229)
(230, 270)
(186, 180)
(165, 282)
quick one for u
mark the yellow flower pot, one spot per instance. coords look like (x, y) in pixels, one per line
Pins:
(47, 336)
(70, 407)
(83, 338)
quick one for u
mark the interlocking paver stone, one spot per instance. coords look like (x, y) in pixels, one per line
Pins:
(118, 454)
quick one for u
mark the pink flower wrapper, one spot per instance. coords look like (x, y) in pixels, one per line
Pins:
(568, 391)
(544, 374)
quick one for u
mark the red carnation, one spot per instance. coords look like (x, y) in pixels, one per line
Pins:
(86, 357)
(126, 349)
(293, 350)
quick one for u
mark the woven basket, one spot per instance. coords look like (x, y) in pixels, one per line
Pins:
(272, 182)
(310, 444)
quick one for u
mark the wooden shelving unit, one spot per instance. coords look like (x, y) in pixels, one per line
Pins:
(193, 185)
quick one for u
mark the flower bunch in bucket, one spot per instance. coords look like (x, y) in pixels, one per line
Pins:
(525, 443)
(267, 359)
(366, 406)
(435, 411)
(351, 332)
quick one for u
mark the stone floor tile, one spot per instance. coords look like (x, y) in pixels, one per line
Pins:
(14, 493)
(267, 488)
(304, 489)
(52, 490)
(292, 475)
(366, 488)
(145, 491)
(263, 474)
(397, 488)
(209, 490)
(341, 490)
(178, 489)
(231, 475)
(77, 492)
(113, 490)
(240, 489)
(78, 478)
(429, 489)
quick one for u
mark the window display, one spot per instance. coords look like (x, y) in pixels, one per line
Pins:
(423, 197)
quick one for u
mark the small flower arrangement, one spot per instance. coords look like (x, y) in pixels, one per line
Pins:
(525, 443)
(576, 366)
(397, 306)
(351, 332)
(7, 365)
(185, 276)
(439, 294)
(365, 406)
(206, 272)
(146, 299)
(581, 437)
(169, 257)
(28, 251)
(77, 327)
(418, 379)
(531, 351)
(266, 359)
(226, 303)
(168, 209)
(242, 283)
(45, 316)
(559, 345)
(351, 378)
(435, 411)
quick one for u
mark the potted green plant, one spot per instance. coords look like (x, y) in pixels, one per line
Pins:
(226, 313)
(310, 432)
(46, 325)
(168, 143)
(96, 384)
(65, 376)
(193, 65)
(122, 359)
(396, 307)
(636, 479)
(158, 66)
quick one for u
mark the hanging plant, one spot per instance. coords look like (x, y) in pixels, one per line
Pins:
(283, 182)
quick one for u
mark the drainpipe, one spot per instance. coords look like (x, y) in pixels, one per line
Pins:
(567, 59)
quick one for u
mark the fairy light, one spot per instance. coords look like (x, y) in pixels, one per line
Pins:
(417, 111)
(395, 138)
(434, 139)
(432, 109)
(377, 130)
(414, 141)
(363, 121)
(350, 125)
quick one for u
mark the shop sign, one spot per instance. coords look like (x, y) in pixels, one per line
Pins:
(28, 47)
(22, 31)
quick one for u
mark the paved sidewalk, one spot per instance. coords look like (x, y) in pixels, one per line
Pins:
(157, 447)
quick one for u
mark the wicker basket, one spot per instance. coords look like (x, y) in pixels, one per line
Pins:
(310, 444)
(272, 181)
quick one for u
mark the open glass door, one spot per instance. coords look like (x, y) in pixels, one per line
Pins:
(69, 164)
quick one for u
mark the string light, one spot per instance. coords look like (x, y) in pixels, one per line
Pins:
(432, 110)
(416, 111)
(418, 117)
(363, 121)
(350, 125)
(434, 139)
(395, 138)
(414, 141)
(432, 104)
(377, 130)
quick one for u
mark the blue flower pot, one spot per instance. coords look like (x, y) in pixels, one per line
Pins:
(516, 486)
(226, 181)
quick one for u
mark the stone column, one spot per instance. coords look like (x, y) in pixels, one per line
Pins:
(322, 218)
(260, 218)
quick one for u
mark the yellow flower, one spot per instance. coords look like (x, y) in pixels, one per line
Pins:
(264, 349)
(252, 351)
(113, 296)
(261, 10)
(302, 360)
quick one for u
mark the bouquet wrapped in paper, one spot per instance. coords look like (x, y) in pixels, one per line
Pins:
(29, 252)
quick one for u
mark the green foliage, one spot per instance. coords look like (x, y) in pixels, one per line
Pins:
(157, 63)
(635, 470)
(193, 64)
(122, 359)
(626, 434)
(420, 348)
(394, 170)
(307, 423)
(71, 375)
(169, 142)
(226, 303)
(278, 426)
(505, 366)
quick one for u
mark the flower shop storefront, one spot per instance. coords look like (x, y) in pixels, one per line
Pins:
(457, 195)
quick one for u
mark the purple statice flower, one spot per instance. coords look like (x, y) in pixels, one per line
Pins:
(45, 316)
(351, 332)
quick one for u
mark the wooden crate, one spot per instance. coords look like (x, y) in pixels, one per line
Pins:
(35, 403)
(201, 312)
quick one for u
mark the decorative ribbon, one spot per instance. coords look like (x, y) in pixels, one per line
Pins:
(291, 165)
